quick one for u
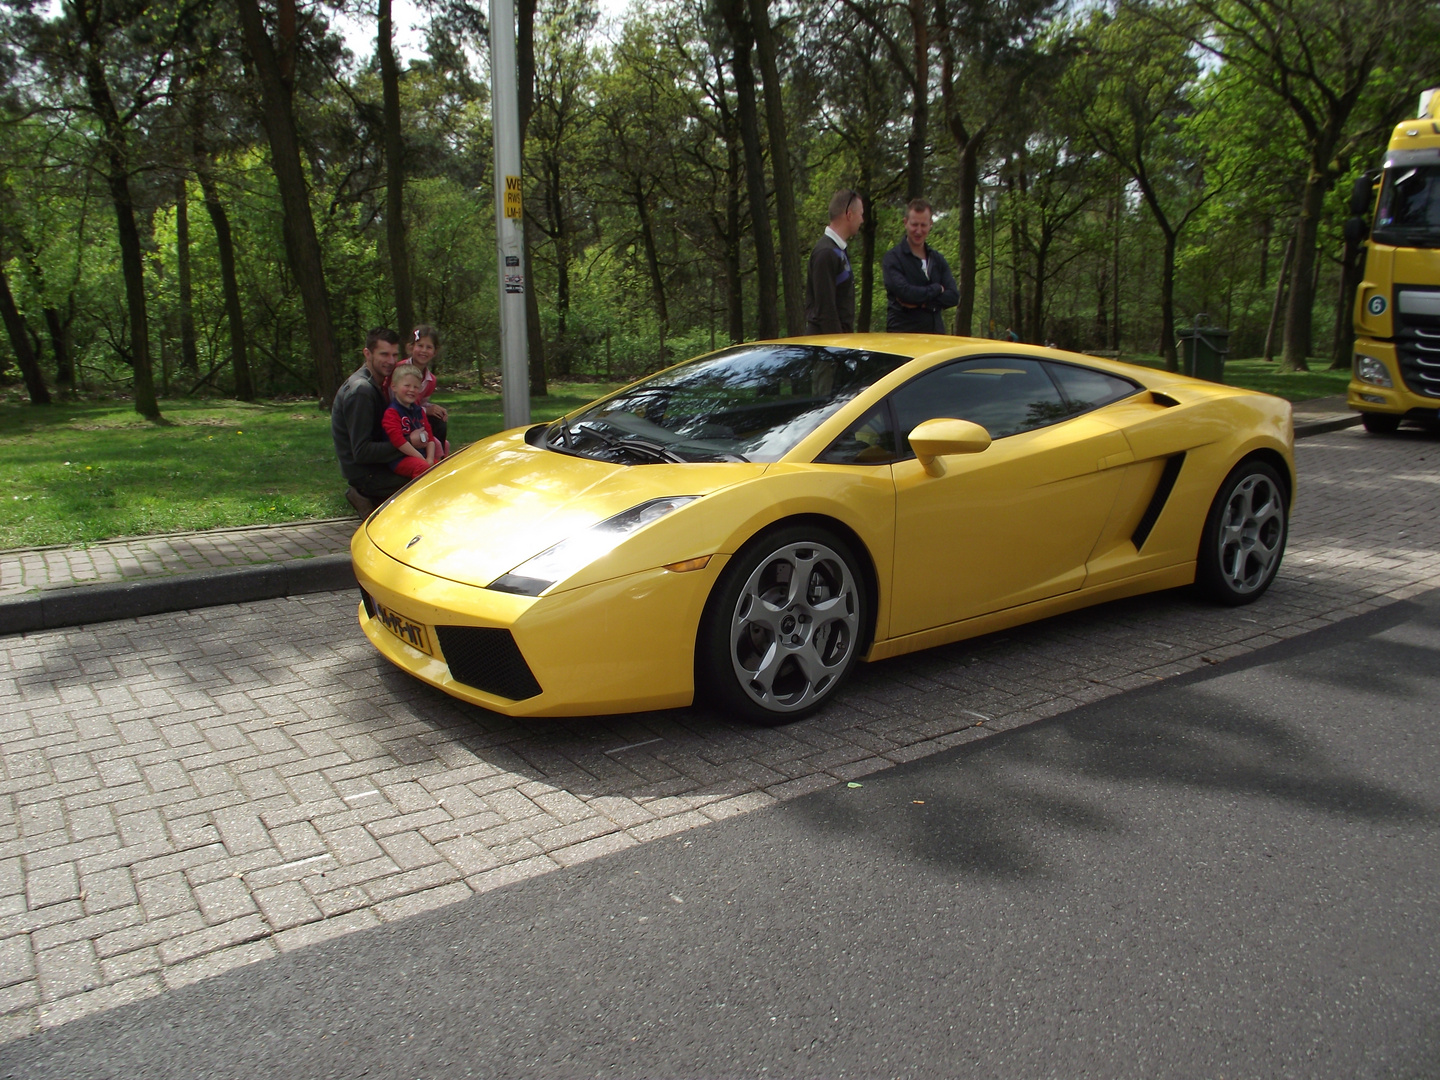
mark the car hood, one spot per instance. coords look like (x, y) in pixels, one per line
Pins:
(485, 511)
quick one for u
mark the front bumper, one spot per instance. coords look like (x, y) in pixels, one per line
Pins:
(1396, 400)
(623, 645)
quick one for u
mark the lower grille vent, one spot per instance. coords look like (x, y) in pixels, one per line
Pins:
(488, 659)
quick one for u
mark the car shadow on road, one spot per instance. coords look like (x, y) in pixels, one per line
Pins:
(1004, 807)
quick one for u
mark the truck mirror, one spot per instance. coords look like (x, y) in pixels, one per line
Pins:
(1362, 196)
(1356, 232)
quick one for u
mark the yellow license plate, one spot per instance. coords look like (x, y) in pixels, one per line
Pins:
(411, 633)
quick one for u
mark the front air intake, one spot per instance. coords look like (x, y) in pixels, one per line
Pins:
(488, 659)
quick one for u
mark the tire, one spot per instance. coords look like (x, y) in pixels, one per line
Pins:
(1244, 536)
(1379, 423)
(770, 650)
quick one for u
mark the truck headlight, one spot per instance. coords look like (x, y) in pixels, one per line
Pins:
(1372, 371)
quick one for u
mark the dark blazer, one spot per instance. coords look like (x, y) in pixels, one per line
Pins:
(906, 283)
(829, 290)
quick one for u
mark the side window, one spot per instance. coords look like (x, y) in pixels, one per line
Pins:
(1086, 388)
(1003, 394)
(868, 441)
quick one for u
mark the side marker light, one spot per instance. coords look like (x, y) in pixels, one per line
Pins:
(689, 564)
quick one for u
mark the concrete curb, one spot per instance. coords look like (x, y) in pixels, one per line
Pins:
(1320, 427)
(78, 605)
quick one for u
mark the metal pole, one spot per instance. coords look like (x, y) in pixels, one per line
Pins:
(509, 216)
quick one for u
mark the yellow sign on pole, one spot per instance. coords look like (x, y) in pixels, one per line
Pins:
(512, 197)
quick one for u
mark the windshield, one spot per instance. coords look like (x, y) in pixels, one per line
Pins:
(1409, 213)
(750, 403)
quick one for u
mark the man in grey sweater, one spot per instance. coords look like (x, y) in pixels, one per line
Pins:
(364, 450)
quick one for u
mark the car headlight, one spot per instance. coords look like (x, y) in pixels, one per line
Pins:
(1372, 371)
(556, 563)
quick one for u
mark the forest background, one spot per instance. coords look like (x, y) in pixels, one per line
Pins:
(205, 198)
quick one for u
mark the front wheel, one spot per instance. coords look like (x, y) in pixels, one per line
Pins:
(783, 627)
(1379, 423)
(1244, 536)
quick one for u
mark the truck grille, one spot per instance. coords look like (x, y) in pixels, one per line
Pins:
(488, 659)
(1417, 338)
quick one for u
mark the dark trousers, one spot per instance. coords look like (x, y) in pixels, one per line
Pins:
(379, 485)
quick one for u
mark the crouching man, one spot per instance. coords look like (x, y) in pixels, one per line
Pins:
(361, 444)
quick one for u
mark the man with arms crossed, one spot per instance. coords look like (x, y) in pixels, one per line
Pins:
(917, 278)
(364, 450)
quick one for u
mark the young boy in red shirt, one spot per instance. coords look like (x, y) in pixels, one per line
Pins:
(407, 425)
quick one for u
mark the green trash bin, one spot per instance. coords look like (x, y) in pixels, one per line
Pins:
(1203, 350)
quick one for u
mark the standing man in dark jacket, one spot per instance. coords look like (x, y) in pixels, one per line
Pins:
(364, 450)
(917, 278)
(830, 285)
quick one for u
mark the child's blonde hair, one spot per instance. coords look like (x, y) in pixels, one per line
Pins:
(403, 372)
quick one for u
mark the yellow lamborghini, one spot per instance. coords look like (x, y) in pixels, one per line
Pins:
(742, 528)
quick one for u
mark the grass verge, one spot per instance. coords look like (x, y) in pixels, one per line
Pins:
(78, 472)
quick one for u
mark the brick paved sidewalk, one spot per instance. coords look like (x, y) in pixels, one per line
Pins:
(26, 570)
(183, 794)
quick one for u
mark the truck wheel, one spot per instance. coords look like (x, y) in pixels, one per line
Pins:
(1380, 423)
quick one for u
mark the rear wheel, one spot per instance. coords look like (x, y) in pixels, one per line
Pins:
(1379, 423)
(1244, 536)
(783, 627)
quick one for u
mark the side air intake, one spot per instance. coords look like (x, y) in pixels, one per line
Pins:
(1157, 501)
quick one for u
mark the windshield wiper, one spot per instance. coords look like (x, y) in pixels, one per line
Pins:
(634, 444)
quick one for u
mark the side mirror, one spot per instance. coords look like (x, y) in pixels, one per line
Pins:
(933, 439)
(1355, 232)
(1362, 197)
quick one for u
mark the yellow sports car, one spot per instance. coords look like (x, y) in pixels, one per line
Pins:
(741, 528)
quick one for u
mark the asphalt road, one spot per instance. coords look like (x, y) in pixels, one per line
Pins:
(1235, 873)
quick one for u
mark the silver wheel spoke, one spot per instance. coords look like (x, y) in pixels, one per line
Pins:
(1251, 534)
(795, 626)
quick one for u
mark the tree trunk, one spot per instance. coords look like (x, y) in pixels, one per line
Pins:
(20, 341)
(1115, 268)
(790, 246)
(302, 245)
(394, 173)
(734, 283)
(1350, 275)
(525, 91)
(919, 100)
(744, 75)
(1167, 302)
(117, 177)
(1299, 312)
(1278, 305)
(189, 355)
(229, 283)
(965, 280)
(534, 328)
(868, 230)
(652, 262)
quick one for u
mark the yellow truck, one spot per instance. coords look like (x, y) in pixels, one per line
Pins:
(1395, 374)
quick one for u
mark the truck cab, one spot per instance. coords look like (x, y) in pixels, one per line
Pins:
(1395, 373)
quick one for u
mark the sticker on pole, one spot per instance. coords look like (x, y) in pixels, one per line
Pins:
(1376, 305)
(514, 283)
(513, 207)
